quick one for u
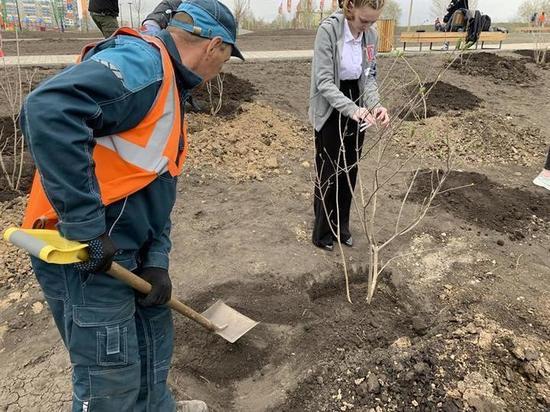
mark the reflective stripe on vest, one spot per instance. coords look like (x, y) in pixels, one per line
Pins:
(151, 156)
(128, 161)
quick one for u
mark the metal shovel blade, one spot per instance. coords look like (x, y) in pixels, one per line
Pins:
(232, 324)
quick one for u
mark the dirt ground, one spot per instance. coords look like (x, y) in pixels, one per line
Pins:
(35, 43)
(72, 43)
(460, 322)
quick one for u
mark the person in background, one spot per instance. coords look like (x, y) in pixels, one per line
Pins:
(543, 179)
(159, 18)
(343, 97)
(453, 6)
(534, 20)
(542, 19)
(104, 14)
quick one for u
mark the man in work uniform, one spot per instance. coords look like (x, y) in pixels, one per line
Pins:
(108, 137)
(104, 13)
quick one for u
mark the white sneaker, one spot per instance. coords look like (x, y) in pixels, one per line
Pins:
(542, 181)
(191, 406)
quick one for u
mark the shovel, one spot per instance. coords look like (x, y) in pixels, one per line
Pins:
(51, 247)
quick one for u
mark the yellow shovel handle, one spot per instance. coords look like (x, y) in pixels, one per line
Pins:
(137, 283)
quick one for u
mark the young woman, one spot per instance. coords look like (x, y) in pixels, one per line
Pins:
(344, 100)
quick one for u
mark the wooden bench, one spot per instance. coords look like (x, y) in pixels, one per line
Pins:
(441, 37)
(536, 29)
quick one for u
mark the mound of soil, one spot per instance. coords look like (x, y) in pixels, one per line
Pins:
(441, 98)
(235, 92)
(530, 54)
(257, 143)
(391, 355)
(499, 68)
(299, 321)
(459, 365)
(480, 136)
(488, 204)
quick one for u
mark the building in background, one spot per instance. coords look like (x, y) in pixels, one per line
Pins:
(39, 14)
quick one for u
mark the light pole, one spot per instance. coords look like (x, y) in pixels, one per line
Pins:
(410, 14)
(18, 15)
(131, 18)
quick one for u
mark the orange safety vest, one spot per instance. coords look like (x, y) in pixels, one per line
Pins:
(126, 162)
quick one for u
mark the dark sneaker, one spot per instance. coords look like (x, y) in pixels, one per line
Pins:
(325, 246)
(348, 242)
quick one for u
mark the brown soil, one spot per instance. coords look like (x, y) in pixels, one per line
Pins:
(262, 40)
(499, 68)
(235, 91)
(441, 98)
(460, 322)
(72, 43)
(488, 204)
(530, 54)
(263, 142)
(477, 136)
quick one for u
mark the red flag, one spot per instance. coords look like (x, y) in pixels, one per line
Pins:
(1, 53)
(288, 6)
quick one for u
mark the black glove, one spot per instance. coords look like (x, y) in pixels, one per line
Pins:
(161, 283)
(100, 255)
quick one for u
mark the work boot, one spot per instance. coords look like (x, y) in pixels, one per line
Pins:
(191, 406)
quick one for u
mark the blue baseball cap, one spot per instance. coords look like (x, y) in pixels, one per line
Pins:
(210, 19)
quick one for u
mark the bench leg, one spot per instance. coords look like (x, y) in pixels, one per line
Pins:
(420, 46)
(404, 45)
(431, 44)
(500, 45)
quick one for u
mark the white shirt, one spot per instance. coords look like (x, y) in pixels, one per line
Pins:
(352, 55)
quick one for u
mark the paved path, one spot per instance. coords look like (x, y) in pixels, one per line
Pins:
(52, 38)
(66, 59)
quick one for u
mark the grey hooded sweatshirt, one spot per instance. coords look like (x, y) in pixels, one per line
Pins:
(325, 94)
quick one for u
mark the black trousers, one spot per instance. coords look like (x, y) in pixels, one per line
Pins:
(334, 162)
(547, 164)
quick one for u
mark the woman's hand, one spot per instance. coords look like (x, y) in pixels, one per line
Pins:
(363, 116)
(381, 115)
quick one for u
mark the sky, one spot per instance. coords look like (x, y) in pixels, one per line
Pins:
(499, 10)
